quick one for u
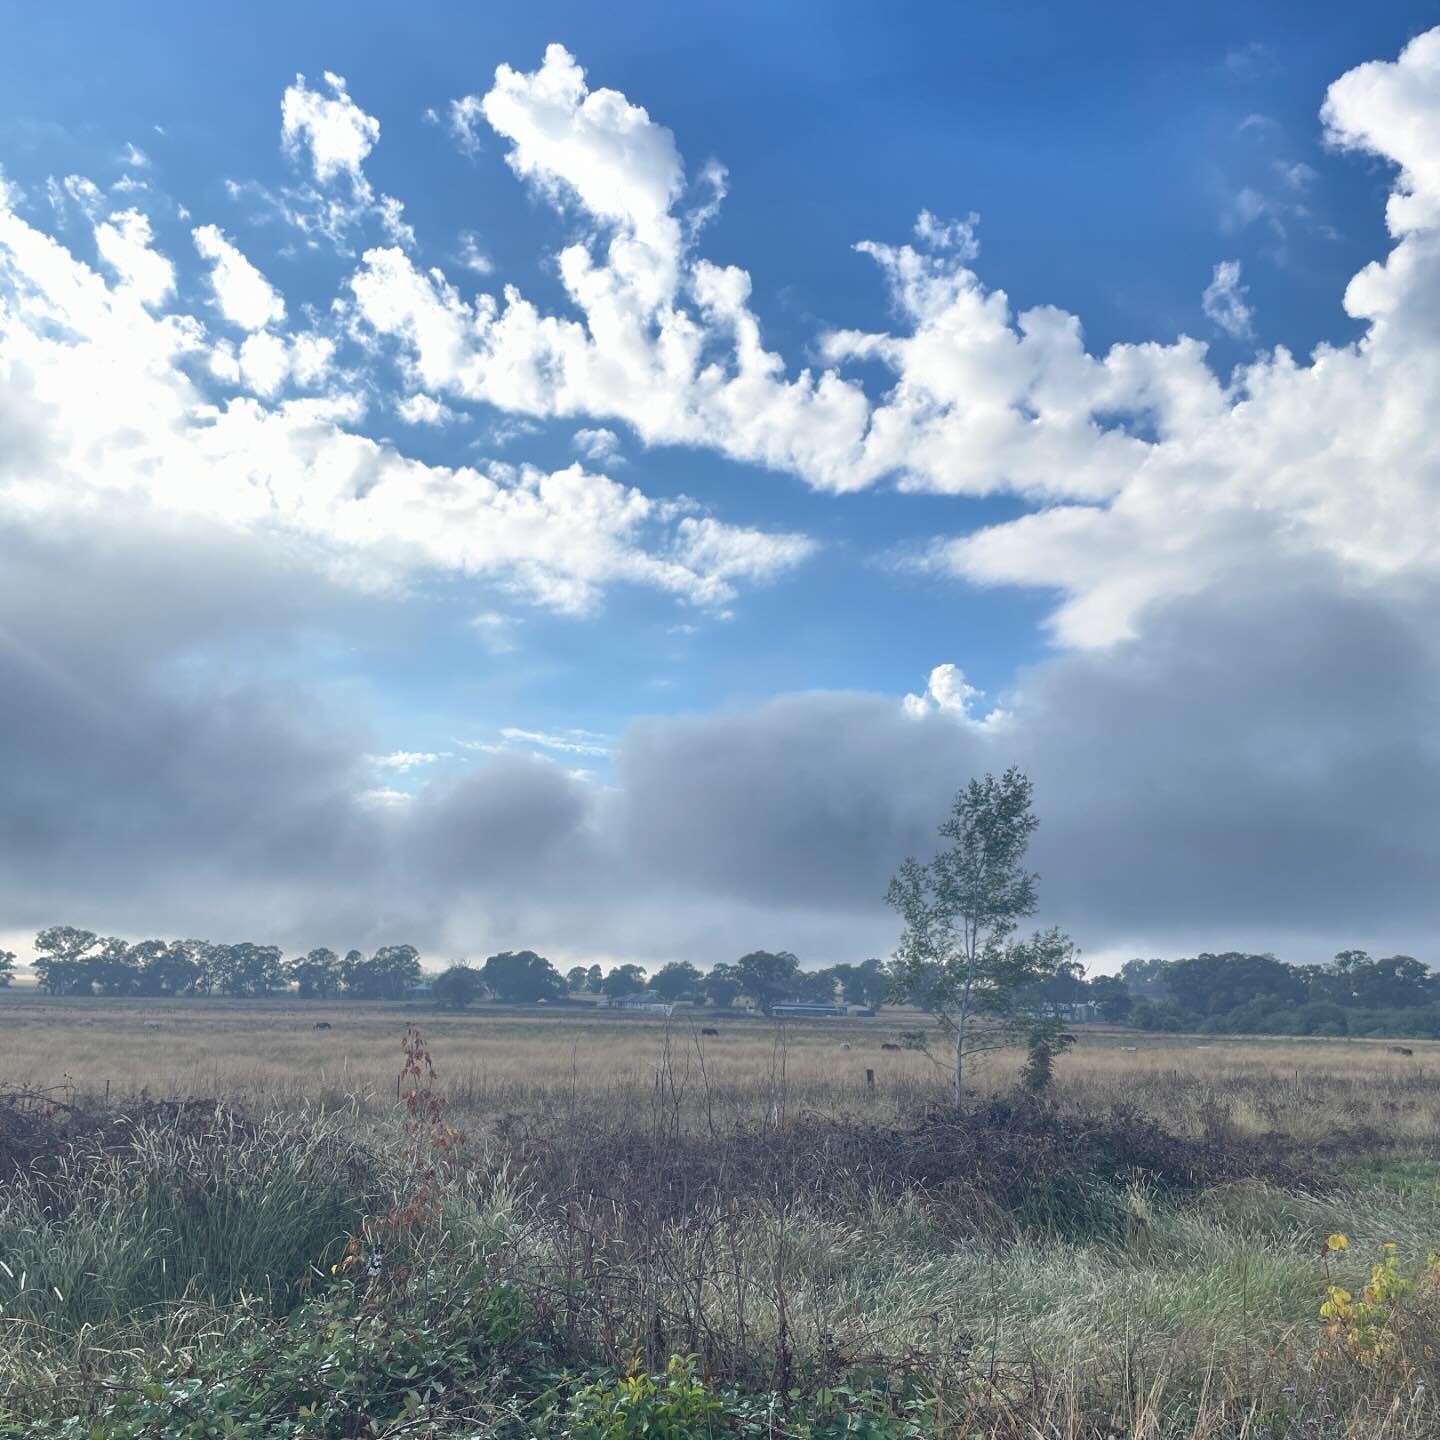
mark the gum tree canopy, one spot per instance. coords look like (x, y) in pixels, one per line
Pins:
(958, 956)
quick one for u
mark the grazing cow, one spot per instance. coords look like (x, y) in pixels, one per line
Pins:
(1401, 1050)
(709, 1030)
(888, 1046)
(151, 1024)
(1129, 1049)
(321, 1025)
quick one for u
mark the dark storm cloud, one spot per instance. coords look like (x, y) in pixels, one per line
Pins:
(1266, 766)
(134, 795)
(808, 801)
(1260, 769)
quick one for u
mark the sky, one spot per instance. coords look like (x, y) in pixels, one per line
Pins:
(600, 480)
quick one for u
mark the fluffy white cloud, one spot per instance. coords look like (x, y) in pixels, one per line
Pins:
(124, 243)
(1157, 477)
(329, 132)
(1333, 463)
(649, 309)
(330, 137)
(266, 363)
(725, 554)
(99, 410)
(600, 445)
(245, 297)
(85, 193)
(1224, 302)
(714, 179)
(950, 693)
(668, 342)
(1392, 108)
(421, 409)
(465, 121)
(592, 145)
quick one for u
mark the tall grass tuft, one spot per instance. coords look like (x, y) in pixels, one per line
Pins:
(218, 1212)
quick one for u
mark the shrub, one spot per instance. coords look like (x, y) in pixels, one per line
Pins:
(672, 1406)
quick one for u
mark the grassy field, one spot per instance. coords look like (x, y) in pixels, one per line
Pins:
(493, 1056)
(496, 1058)
(1145, 1253)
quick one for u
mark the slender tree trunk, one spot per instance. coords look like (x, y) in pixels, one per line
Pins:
(963, 1018)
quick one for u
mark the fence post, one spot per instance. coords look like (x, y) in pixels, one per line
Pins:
(869, 1079)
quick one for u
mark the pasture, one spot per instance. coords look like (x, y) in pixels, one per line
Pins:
(497, 1058)
(579, 1196)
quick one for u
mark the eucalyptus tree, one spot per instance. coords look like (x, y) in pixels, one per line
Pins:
(317, 973)
(958, 956)
(62, 959)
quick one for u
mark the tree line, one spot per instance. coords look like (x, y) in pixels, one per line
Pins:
(1237, 993)
(1233, 992)
(69, 961)
(766, 977)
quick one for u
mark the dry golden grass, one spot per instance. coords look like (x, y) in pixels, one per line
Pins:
(489, 1056)
(495, 1058)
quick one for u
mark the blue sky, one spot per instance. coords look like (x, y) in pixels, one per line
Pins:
(1149, 173)
(1105, 161)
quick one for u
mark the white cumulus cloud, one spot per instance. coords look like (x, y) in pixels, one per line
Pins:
(1392, 108)
(949, 693)
(593, 145)
(329, 132)
(422, 409)
(600, 445)
(111, 417)
(1152, 476)
(245, 297)
(125, 245)
(330, 137)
